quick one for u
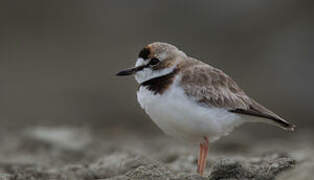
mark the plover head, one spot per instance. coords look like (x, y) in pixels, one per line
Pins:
(154, 60)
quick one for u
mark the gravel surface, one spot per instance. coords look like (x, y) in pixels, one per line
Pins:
(68, 153)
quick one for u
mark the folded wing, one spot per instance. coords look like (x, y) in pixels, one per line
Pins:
(211, 87)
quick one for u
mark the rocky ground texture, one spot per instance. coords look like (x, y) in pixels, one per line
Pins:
(66, 153)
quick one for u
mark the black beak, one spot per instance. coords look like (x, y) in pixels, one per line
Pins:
(131, 71)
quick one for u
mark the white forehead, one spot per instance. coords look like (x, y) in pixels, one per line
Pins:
(140, 61)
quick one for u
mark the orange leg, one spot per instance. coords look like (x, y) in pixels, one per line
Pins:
(201, 164)
(199, 161)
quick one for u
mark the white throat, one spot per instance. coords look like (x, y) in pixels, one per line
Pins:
(147, 73)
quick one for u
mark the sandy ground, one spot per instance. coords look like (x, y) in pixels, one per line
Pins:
(68, 153)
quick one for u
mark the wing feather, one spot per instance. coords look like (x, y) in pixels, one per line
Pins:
(211, 87)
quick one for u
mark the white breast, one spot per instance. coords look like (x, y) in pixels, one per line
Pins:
(181, 117)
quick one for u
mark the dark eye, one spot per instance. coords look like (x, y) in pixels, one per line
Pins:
(154, 61)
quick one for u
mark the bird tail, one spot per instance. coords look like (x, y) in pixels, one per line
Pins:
(265, 116)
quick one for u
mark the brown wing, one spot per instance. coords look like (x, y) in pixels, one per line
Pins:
(211, 87)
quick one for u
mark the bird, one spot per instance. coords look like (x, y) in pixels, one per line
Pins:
(193, 101)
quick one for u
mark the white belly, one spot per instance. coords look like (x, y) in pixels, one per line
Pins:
(179, 116)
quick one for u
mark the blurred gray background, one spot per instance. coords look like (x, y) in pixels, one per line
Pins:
(59, 58)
